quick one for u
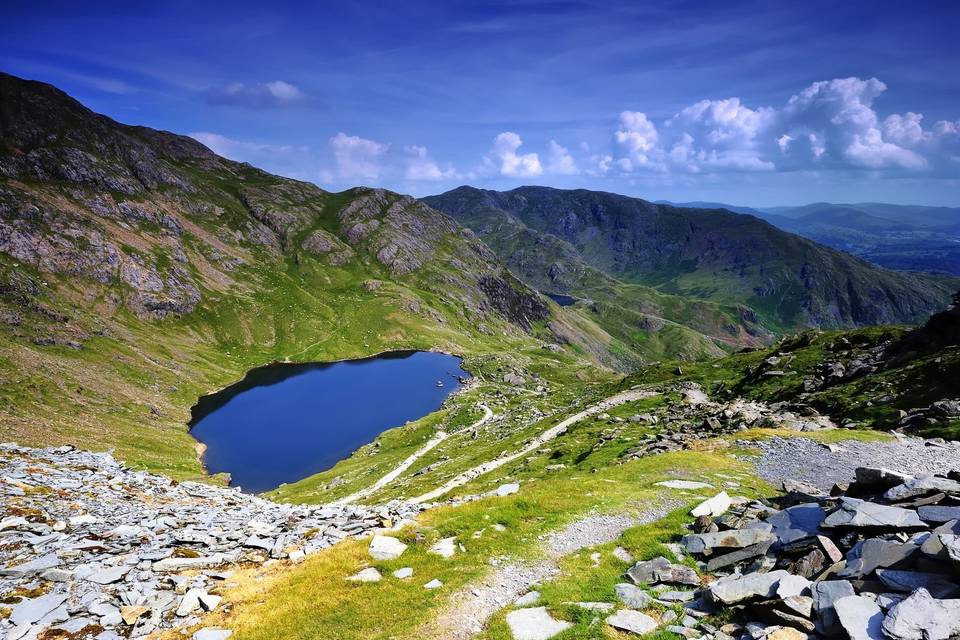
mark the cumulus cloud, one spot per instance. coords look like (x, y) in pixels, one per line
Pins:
(258, 96)
(559, 160)
(419, 166)
(510, 163)
(356, 157)
(829, 124)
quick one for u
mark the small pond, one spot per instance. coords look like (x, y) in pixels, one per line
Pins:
(562, 299)
(284, 422)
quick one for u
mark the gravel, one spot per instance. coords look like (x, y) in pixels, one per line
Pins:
(809, 461)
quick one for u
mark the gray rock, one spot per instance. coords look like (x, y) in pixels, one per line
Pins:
(662, 570)
(825, 595)
(876, 553)
(938, 585)
(109, 575)
(507, 489)
(880, 477)
(734, 589)
(31, 567)
(386, 548)
(534, 624)
(715, 506)
(923, 617)
(444, 548)
(632, 596)
(706, 543)
(367, 575)
(632, 622)
(921, 486)
(860, 617)
(684, 484)
(34, 609)
(404, 573)
(433, 584)
(854, 513)
(527, 599)
(938, 514)
(797, 522)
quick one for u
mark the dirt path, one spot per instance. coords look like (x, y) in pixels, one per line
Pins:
(468, 610)
(406, 464)
(539, 441)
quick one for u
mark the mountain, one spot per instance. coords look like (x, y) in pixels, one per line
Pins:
(139, 270)
(707, 254)
(901, 237)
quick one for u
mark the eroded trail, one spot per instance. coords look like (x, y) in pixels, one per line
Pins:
(408, 462)
(468, 610)
(539, 441)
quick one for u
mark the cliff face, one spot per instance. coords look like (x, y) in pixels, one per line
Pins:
(157, 219)
(708, 254)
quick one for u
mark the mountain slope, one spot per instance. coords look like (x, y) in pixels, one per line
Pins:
(139, 270)
(714, 255)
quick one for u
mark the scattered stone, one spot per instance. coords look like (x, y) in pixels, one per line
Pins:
(662, 570)
(860, 514)
(507, 489)
(860, 617)
(684, 484)
(734, 589)
(632, 596)
(715, 506)
(386, 548)
(534, 624)
(404, 573)
(444, 548)
(367, 575)
(923, 617)
(632, 622)
(210, 633)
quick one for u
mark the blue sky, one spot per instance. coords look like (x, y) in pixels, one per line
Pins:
(755, 103)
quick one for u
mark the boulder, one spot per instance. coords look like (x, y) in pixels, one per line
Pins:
(632, 622)
(797, 522)
(707, 543)
(854, 513)
(825, 595)
(367, 575)
(444, 548)
(922, 617)
(534, 624)
(715, 506)
(739, 588)
(386, 548)
(921, 486)
(860, 617)
(661, 570)
(879, 477)
(632, 596)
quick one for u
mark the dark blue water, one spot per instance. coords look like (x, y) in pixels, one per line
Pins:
(562, 299)
(285, 422)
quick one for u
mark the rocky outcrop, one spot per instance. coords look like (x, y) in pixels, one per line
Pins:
(128, 552)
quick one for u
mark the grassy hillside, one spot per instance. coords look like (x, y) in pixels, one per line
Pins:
(715, 255)
(138, 271)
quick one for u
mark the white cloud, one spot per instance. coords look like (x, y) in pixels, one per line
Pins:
(560, 161)
(356, 157)
(829, 124)
(421, 167)
(636, 137)
(512, 164)
(276, 93)
(239, 150)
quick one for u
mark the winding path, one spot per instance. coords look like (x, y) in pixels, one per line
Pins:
(546, 436)
(406, 464)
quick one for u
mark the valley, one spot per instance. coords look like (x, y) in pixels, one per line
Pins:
(470, 415)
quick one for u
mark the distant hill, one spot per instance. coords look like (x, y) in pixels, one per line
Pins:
(708, 254)
(902, 237)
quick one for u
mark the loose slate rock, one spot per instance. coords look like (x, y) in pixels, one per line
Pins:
(684, 484)
(860, 617)
(921, 486)
(797, 522)
(29, 611)
(923, 617)
(825, 596)
(444, 548)
(661, 570)
(632, 596)
(386, 548)
(632, 622)
(367, 575)
(734, 589)
(706, 543)
(938, 514)
(715, 506)
(211, 633)
(534, 624)
(854, 513)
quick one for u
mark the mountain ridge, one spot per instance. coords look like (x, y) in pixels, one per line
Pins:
(714, 255)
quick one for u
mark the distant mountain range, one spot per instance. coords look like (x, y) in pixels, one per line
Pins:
(903, 237)
(706, 254)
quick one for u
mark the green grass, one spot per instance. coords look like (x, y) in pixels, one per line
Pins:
(313, 600)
